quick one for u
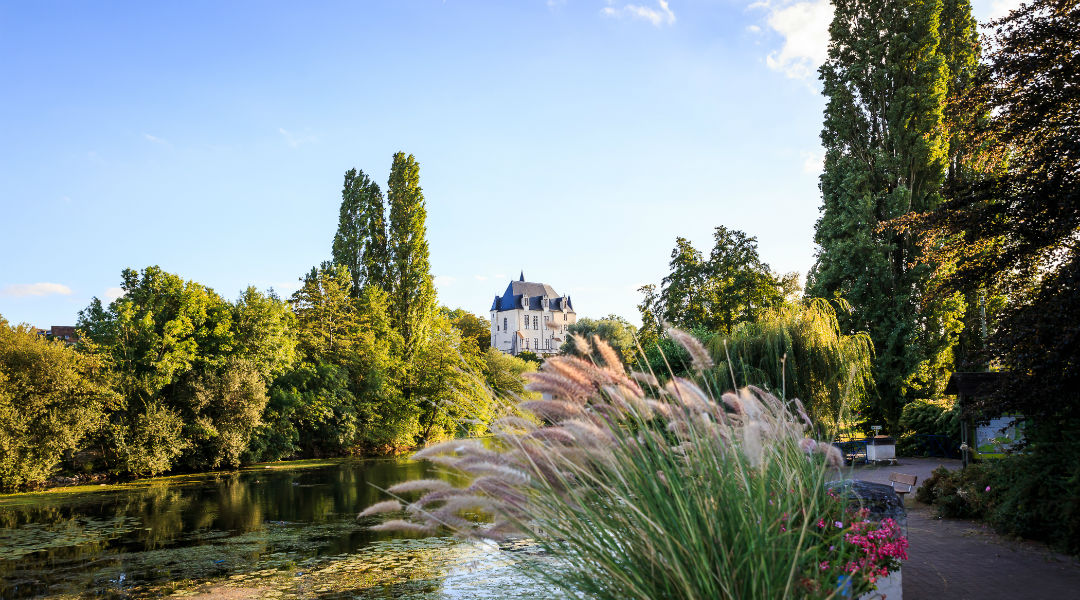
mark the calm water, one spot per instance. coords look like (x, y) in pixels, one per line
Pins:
(289, 530)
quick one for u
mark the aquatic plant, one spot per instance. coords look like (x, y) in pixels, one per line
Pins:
(638, 490)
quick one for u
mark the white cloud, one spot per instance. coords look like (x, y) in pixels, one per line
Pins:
(813, 162)
(659, 14)
(113, 293)
(995, 9)
(753, 29)
(22, 290)
(294, 140)
(155, 139)
(480, 277)
(804, 27)
(442, 280)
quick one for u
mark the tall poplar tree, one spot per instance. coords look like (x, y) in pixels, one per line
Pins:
(886, 152)
(360, 241)
(412, 291)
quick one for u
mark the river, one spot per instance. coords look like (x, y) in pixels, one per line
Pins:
(283, 530)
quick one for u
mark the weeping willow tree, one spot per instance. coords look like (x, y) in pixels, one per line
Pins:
(799, 351)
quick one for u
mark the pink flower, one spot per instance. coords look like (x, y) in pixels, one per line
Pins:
(839, 525)
(821, 523)
(987, 489)
(824, 565)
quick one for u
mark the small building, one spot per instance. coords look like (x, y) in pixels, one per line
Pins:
(64, 332)
(530, 317)
(984, 435)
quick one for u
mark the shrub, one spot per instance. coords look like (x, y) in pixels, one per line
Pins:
(923, 417)
(51, 398)
(1028, 495)
(645, 491)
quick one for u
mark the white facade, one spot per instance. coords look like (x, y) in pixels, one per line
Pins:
(530, 316)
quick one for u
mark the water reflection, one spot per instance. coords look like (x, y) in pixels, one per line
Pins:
(293, 527)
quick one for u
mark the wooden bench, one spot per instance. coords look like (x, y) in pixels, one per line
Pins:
(904, 480)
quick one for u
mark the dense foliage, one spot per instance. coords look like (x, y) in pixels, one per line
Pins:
(171, 376)
(613, 329)
(799, 351)
(888, 151)
(51, 399)
(1014, 230)
(1029, 495)
(714, 293)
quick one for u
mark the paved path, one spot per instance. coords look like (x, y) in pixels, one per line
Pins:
(959, 559)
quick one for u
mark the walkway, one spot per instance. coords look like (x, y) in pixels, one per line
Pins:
(958, 559)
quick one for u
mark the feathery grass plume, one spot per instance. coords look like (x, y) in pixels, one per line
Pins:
(381, 507)
(581, 344)
(611, 358)
(402, 525)
(557, 385)
(647, 378)
(689, 394)
(512, 424)
(684, 498)
(419, 485)
(552, 410)
(576, 371)
(452, 446)
(661, 408)
(699, 356)
(553, 434)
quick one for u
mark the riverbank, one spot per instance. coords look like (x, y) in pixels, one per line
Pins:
(102, 483)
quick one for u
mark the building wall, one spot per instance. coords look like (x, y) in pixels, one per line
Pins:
(550, 340)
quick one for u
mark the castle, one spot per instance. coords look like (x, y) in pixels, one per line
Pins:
(530, 317)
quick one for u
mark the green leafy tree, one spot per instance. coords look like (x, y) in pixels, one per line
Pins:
(886, 155)
(325, 312)
(52, 398)
(412, 291)
(360, 241)
(265, 331)
(651, 309)
(1013, 230)
(386, 419)
(159, 337)
(504, 373)
(472, 327)
(799, 351)
(222, 414)
(613, 329)
(729, 287)
(449, 387)
(311, 412)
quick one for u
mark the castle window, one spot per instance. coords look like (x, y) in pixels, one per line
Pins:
(564, 316)
(536, 343)
(504, 323)
(536, 322)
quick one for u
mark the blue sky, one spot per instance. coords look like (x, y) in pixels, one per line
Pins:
(572, 139)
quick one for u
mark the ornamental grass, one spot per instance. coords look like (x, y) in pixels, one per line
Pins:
(637, 490)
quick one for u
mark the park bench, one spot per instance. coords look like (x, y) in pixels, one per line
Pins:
(903, 480)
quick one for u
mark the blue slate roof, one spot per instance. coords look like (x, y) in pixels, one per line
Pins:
(535, 292)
